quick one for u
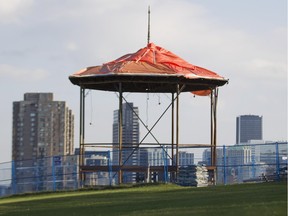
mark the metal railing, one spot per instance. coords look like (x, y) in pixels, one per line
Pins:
(235, 164)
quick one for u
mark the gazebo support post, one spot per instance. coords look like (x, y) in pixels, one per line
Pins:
(211, 136)
(120, 129)
(214, 98)
(177, 130)
(215, 133)
(82, 135)
(172, 137)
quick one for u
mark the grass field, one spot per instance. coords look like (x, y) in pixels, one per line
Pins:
(244, 199)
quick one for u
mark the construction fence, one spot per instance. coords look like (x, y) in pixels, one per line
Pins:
(235, 164)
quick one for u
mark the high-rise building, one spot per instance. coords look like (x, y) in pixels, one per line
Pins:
(130, 139)
(248, 127)
(41, 128)
(185, 158)
(152, 157)
(96, 158)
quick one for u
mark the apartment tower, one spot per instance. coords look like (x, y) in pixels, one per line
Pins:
(41, 128)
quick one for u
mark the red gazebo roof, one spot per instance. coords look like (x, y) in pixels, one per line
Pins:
(150, 69)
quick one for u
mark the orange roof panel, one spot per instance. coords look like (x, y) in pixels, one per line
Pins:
(150, 61)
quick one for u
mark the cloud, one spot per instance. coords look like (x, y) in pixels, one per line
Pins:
(13, 72)
(268, 68)
(12, 10)
(71, 46)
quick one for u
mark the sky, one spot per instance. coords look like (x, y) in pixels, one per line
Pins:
(43, 42)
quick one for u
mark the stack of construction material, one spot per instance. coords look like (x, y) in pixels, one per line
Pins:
(193, 175)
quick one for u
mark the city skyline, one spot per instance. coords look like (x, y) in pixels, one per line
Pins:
(43, 43)
(128, 114)
(38, 122)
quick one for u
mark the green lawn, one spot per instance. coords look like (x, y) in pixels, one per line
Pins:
(244, 199)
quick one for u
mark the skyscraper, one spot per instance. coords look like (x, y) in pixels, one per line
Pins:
(248, 127)
(130, 139)
(41, 128)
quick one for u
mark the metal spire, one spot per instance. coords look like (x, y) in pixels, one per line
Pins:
(148, 36)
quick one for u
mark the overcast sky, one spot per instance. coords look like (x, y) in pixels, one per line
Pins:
(43, 42)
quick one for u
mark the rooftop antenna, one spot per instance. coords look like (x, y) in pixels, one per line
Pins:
(148, 36)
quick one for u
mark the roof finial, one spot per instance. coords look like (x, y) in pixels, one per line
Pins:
(148, 36)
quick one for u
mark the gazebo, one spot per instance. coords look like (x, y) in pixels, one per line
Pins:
(151, 69)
